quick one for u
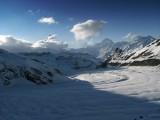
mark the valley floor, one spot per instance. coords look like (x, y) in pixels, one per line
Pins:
(131, 93)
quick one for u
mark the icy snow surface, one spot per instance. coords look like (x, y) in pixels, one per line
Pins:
(131, 93)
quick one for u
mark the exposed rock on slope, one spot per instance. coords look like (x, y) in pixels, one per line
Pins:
(67, 63)
(40, 68)
(147, 56)
(107, 47)
(13, 66)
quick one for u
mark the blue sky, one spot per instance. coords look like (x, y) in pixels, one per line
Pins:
(20, 18)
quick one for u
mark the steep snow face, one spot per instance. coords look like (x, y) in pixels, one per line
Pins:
(150, 51)
(137, 43)
(99, 49)
(148, 55)
(13, 67)
(127, 47)
(107, 47)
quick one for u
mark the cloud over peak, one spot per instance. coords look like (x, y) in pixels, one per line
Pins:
(136, 37)
(12, 44)
(50, 44)
(48, 20)
(88, 29)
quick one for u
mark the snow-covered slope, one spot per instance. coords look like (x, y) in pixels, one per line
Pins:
(107, 47)
(148, 55)
(14, 67)
(126, 93)
(94, 50)
(41, 68)
(137, 43)
(67, 63)
(127, 47)
(131, 93)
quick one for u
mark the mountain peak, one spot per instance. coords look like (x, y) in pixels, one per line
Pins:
(51, 42)
(143, 38)
(107, 40)
(50, 38)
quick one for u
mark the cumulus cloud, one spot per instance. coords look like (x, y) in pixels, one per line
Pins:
(88, 29)
(13, 44)
(48, 20)
(50, 44)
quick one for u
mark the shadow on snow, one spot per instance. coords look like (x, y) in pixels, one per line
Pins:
(73, 100)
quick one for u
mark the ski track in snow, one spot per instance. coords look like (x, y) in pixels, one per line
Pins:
(131, 93)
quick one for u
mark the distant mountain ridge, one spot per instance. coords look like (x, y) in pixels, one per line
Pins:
(107, 47)
(41, 68)
(148, 55)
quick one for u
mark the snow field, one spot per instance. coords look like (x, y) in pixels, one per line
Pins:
(131, 93)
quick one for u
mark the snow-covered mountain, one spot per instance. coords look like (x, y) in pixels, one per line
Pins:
(67, 63)
(107, 47)
(99, 50)
(137, 43)
(41, 68)
(148, 55)
(49, 44)
(87, 95)
(14, 66)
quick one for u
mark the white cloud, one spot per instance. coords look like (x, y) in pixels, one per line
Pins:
(137, 37)
(88, 29)
(48, 20)
(31, 12)
(13, 44)
(131, 36)
(50, 44)
(34, 12)
(128, 35)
